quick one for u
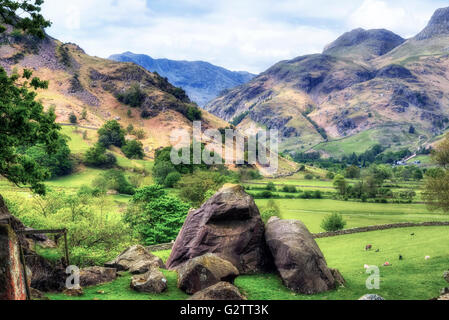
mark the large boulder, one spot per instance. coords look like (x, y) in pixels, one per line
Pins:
(205, 271)
(151, 282)
(220, 291)
(93, 276)
(446, 276)
(136, 260)
(229, 225)
(298, 258)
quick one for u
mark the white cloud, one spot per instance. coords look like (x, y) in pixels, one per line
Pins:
(237, 34)
(403, 18)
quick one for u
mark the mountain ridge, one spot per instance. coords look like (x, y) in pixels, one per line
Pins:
(201, 80)
(365, 81)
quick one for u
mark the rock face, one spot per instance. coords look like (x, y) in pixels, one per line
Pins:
(229, 225)
(372, 297)
(97, 275)
(298, 258)
(438, 25)
(202, 272)
(12, 281)
(151, 282)
(220, 291)
(136, 260)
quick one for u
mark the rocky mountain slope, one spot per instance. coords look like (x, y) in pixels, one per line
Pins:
(83, 84)
(97, 90)
(367, 86)
(202, 81)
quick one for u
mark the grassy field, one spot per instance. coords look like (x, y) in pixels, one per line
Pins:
(412, 278)
(356, 214)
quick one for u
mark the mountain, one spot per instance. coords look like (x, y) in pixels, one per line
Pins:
(202, 81)
(105, 90)
(367, 87)
(100, 87)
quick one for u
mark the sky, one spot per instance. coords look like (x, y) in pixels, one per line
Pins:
(240, 35)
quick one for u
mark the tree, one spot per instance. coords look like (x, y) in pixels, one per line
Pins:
(34, 23)
(340, 184)
(133, 149)
(352, 172)
(193, 187)
(98, 157)
(155, 216)
(73, 119)
(437, 181)
(111, 134)
(172, 179)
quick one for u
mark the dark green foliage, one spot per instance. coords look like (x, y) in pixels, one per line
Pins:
(33, 23)
(155, 216)
(111, 134)
(270, 210)
(133, 149)
(289, 189)
(24, 123)
(172, 179)
(194, 187)
(334, 222)
(352, 172)
(271, 186)
(116, 180)
(193, 113)
(73, 119)
(64, 56)
(134, 96)
(98, 157)
(58, 163)
(238, 119)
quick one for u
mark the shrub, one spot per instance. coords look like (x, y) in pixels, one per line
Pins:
(265, 195)
(155, 216)
(133, 97)
(333, 222)
(116, 180)
(133, 149)
(193, 187)
(271, 210)
(172, 179)
(111, 134)
(73, 119)
(308, 176)
(289, 189)
(98, 157)
(271, 186)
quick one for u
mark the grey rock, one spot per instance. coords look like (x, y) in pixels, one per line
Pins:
(372, 297)
(205, 271)
(153, 281)
(135, 259)
(220, 291)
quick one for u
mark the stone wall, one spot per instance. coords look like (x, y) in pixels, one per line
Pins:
(169, 246)
(377, 228)
(12, 282)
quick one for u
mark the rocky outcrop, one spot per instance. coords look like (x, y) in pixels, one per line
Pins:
(153, 281)
(438, 25)
(136, 260)
(202, 272)
(298, 258)
(446, 276)
(93, 276)
(229, 225)
(372, 297)
(220, 291)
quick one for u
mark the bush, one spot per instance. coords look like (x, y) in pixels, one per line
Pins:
(133, 149)
(289, 189)
(265, 195)
(308, 176)
(193, 187)
(133, 97)
(271, 186)
(116, 180)
(155, 216)
(172, 179)
(73, 119)
(98, 157)
(333, 222)
(111, 134)
(271, 210)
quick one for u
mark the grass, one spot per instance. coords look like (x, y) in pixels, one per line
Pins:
(356, 214)
(413, 278)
